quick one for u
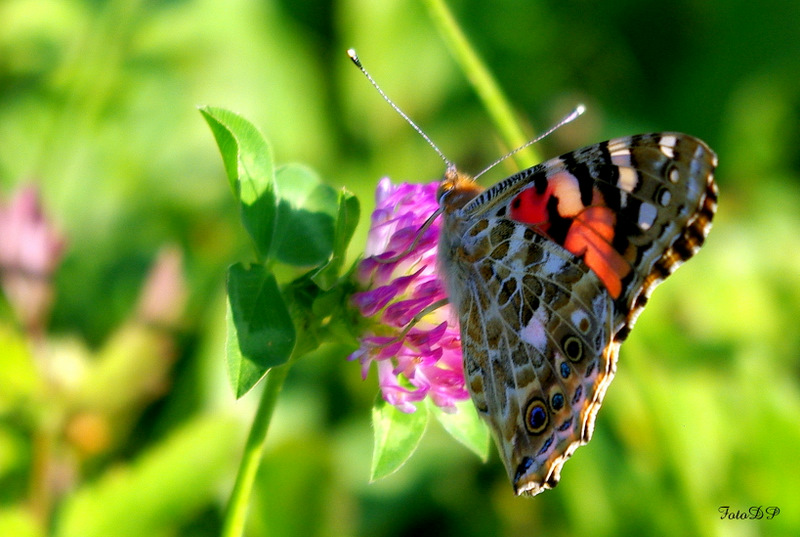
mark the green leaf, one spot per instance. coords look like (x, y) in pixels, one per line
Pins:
(307, 209)
(465, 426)
(261, 334)
(289, 213)
(397, 435)
(346, 222)
(248, 161)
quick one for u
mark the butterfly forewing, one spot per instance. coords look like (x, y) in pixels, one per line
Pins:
(548, 270)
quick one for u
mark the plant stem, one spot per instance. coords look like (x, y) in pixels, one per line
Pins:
(488, 90)
(236, 513)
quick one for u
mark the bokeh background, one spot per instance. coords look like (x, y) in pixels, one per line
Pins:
(116, 417)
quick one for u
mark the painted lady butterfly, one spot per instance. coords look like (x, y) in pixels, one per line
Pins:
(548, 270)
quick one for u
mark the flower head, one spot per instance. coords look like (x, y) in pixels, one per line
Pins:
(30, 251)
(401, 285)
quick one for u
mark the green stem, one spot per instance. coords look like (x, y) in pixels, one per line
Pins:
(236, 514)
(482, 80)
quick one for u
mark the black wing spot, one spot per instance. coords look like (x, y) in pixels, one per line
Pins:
(573, 348)
(536, 416)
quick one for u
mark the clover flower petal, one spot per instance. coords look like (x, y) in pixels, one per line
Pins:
(401, 286)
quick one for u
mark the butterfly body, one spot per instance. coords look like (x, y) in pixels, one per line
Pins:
(547, 271)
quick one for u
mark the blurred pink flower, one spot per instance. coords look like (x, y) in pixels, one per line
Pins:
(162, 300)
(30, 251)
(399, 283)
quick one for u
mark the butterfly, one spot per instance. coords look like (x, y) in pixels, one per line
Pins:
(548, 270)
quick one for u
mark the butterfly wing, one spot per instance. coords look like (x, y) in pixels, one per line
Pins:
(548, 270)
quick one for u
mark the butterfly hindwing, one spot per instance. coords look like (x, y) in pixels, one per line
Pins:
(534, 329)
(548, 270)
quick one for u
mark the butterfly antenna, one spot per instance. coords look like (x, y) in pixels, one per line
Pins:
(580, 109)
(353, 56)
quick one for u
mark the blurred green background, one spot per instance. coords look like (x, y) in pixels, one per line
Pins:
(98, 108)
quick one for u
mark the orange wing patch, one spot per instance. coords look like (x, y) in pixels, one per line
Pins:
(590, 237)
(591, 231)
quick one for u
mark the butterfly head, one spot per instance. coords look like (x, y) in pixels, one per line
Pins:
(456, 190)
